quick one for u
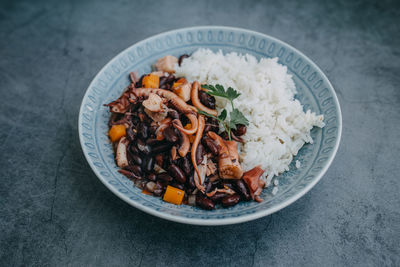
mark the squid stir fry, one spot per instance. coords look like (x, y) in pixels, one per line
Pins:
(165, 142)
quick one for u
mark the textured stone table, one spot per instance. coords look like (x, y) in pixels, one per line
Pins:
(55, 212)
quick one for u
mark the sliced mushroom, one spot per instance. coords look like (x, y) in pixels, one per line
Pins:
(211, 167)
(202, 168)
(121, 155)
(153, 103)
(158, 169)
(177, 102)
(157, 116)
(160, 130)
(151, 186)
(166, 64)
(225, 190)
(134, 77)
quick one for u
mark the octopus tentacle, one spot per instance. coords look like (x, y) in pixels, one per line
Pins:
(185, 145)
(176, 101)
(228, 158)
(160, 130)
(193, 122)
(193, 108)
(196, 101)
(196, 142)
(121, 105)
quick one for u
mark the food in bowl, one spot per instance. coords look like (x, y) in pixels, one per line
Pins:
(209, 128)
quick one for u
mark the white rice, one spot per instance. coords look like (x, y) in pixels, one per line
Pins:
(278, 125)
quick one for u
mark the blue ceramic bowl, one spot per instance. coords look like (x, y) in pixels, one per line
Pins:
(314, 91)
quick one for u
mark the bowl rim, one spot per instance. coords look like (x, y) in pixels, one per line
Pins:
(223, 221)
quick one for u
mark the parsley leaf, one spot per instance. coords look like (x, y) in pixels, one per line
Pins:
(218, 90)
(236, 117)
(232, 94)
(222, 116)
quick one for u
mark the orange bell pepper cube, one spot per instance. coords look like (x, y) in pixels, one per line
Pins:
(178, 83)
(151, 81)
(174, 195)
(181, 80)
(116, 132)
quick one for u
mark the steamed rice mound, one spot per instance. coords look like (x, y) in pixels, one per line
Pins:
(278, 126)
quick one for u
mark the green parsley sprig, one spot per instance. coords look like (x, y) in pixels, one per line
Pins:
(236, 117)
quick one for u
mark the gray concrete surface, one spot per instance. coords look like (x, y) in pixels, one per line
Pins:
(55, 212)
